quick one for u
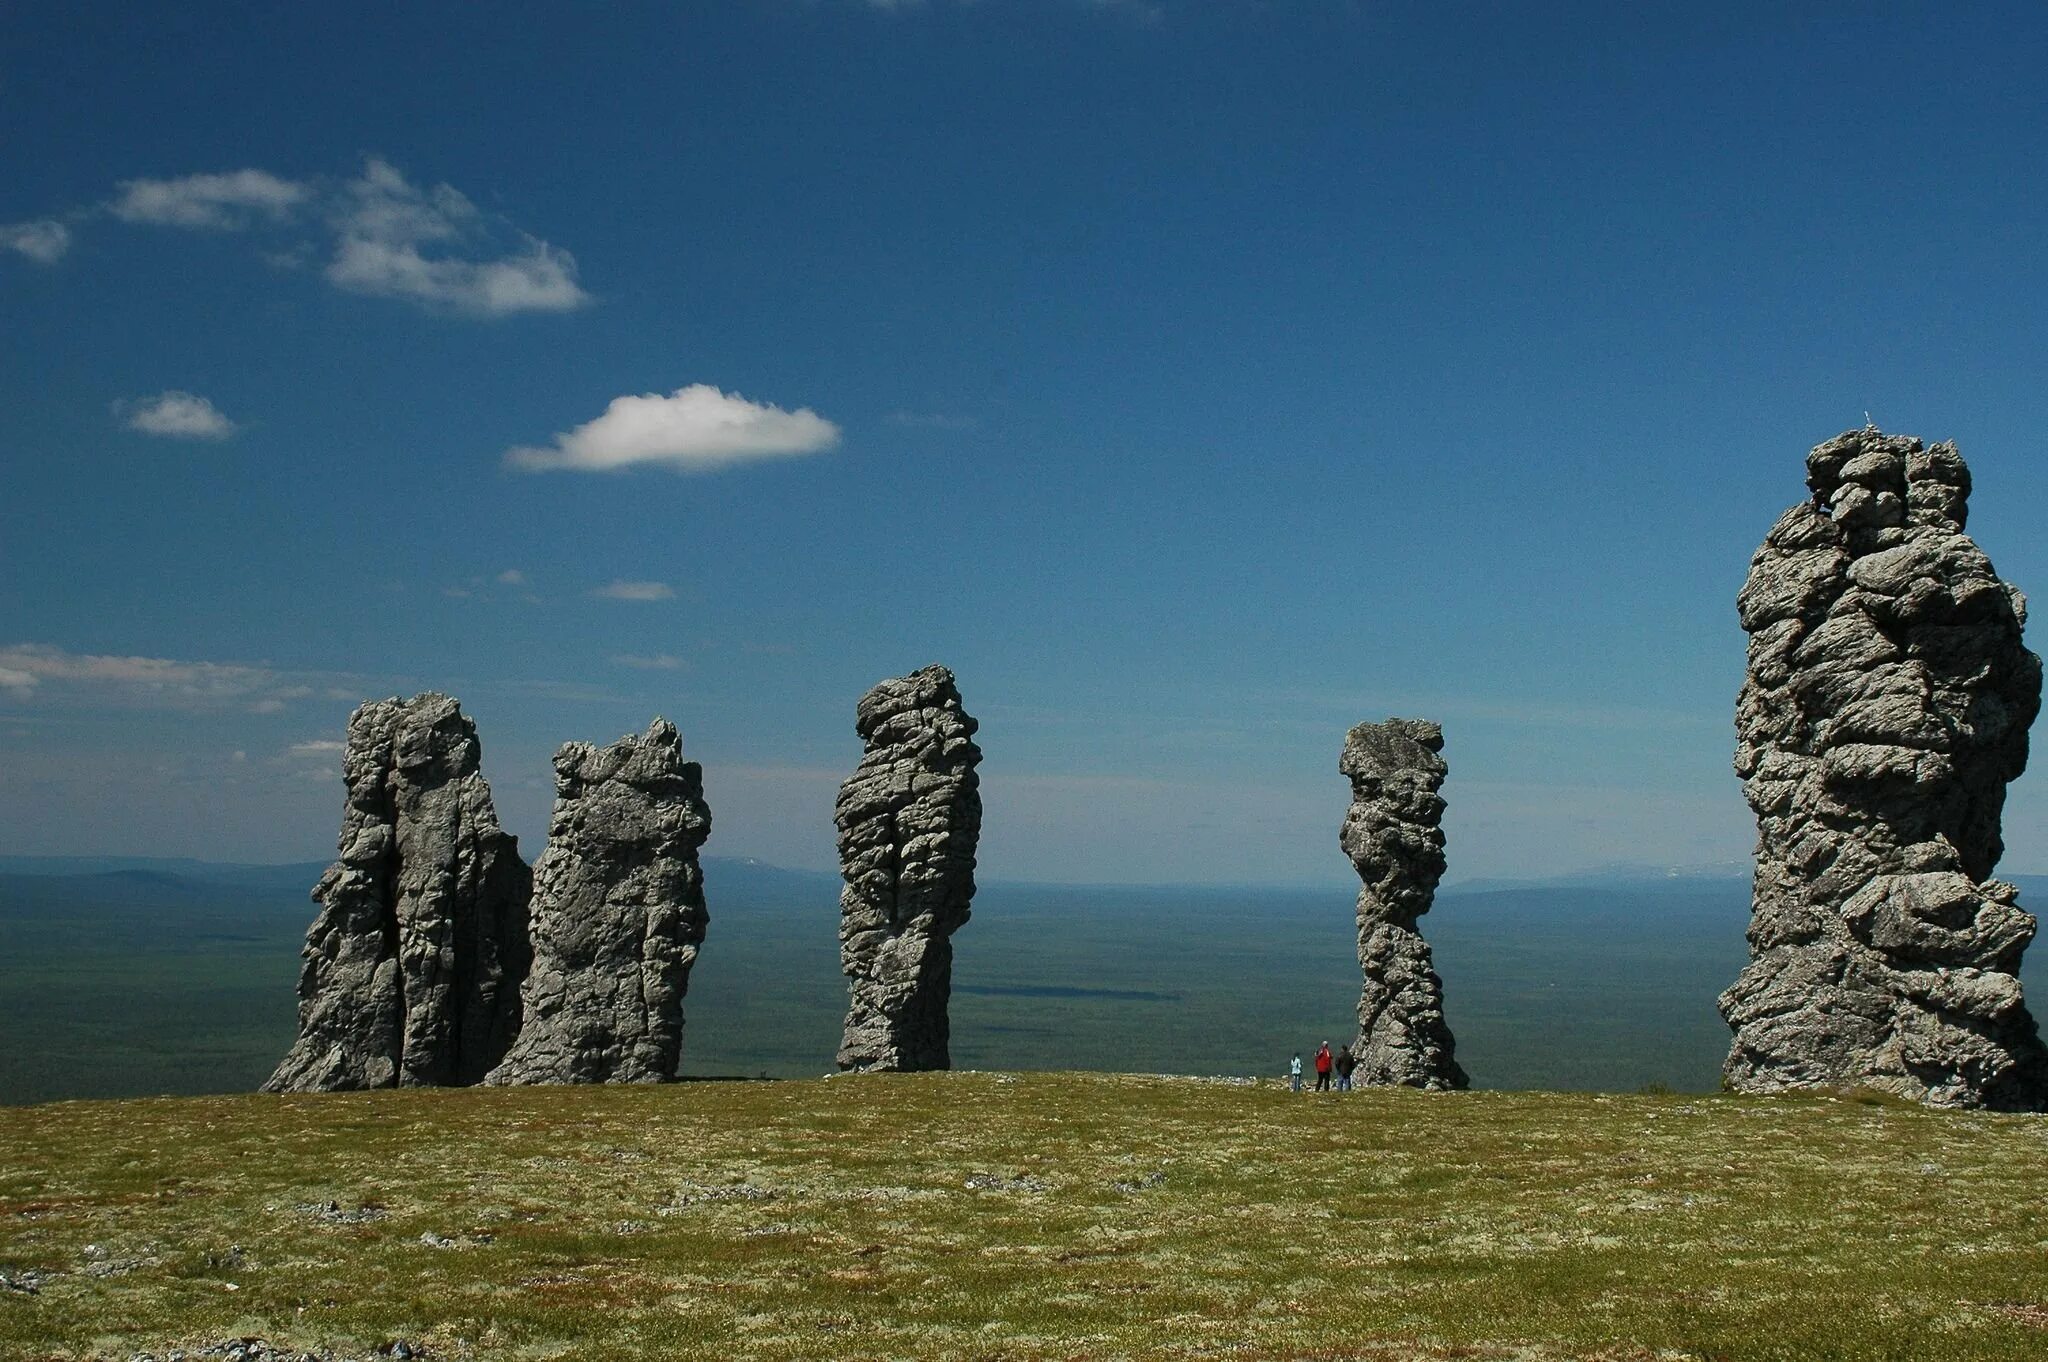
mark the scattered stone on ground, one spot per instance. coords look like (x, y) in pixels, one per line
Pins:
(413, 965)
(26, 1281)
(334, 1214)
(1393, 834)
(618, 914)
(909, 819)
(992, 1182)
(259, 1350)
(1885, 709)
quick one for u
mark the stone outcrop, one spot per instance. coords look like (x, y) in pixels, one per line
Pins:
(618, 914)
(1394, 836)
(414, 962)
(909, 818)
(1885, 709)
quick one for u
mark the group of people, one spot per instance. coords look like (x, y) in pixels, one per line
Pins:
(1341, 1063)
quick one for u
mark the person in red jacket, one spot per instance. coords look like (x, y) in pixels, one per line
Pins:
(1323, 1063)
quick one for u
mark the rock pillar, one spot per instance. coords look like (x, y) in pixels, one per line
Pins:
(1885, 709)
(414, 962)
(1394, 836)
(909, 818)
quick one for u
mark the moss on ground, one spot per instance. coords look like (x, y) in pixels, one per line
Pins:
(1024, 1216)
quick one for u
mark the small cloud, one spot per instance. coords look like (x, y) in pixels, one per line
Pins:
(657, 662)
(384, 223)
(44, 241)
(52, 675)
(318, 747)
(379, 234)
(226, 202)
(295, 257)
(460, 593)
(691, 430)
(917, 420)
(238, 756)
(511, 577)
(177, 416)
(635, 591)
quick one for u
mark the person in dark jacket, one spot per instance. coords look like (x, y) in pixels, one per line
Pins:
(1323, 1066)
(1346, 1064)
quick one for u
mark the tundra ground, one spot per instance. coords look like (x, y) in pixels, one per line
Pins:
(981, 1215)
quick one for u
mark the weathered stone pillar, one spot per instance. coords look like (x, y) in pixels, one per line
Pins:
(909, 819)
(414, 962)
(1395, 840)
(1885, 709)
(618, 915)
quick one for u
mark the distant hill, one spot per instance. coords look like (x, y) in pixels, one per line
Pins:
(133, 976)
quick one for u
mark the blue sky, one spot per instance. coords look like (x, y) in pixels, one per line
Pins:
(1195, 379)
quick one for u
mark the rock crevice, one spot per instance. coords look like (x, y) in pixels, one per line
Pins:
(909, 819)
(1885, 709)
(1394, 836)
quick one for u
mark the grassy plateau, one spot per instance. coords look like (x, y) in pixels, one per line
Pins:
(1029, 1215)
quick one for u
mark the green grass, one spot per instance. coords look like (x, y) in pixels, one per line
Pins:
(980, 1216)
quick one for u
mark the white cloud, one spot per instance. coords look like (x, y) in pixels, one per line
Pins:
(225, 202)
(636, 591)
(44, 240)
(51, 674)
(176, 415)
(387, 237)
(384, 221)
(511, 577)
(691, 430)
(656, 662)
(319, 747)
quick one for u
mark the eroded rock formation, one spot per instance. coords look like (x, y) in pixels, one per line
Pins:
(1885, 709)
(909, 818)
(1394, 836)
(414, 962)
(618, 914)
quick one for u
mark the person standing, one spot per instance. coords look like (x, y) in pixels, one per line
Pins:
(1323, 1066)
(1294, 1071)
(1346, 1064)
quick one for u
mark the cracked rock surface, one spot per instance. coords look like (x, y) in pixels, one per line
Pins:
(1394, 836)
(909, 818)
(618, 915)
(413, 964)
(1885, 709)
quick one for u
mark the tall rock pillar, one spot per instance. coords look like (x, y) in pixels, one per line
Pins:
(413, 964)
(1394, 836)
(1886, 707)
(618, 914)
(909, 818)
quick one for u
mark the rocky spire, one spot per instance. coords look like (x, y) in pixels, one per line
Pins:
(414, 962)
(1885, 709)
(618, 914)
(908, 818)
(1394, 837)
